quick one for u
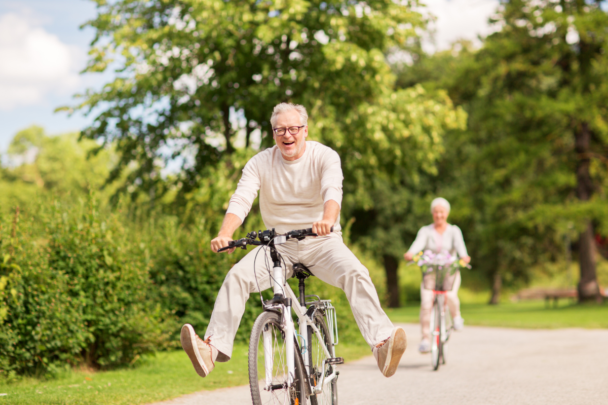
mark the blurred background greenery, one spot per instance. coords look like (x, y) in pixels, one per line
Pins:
(104, 234)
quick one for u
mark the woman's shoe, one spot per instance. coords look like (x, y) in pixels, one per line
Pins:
(458, 323)
(425, 346)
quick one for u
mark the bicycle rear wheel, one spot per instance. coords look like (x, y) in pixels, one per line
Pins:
(316, 355)
(268, 377)
(435, 328)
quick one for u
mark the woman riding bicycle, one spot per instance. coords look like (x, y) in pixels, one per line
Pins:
(439, 236)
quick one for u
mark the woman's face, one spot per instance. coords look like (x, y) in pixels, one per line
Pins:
(440, 215)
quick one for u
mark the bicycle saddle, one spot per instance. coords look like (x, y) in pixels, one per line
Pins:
(301, 272)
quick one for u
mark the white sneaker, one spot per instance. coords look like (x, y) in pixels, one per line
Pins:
(200, 351)
(389, 352)
(458, 323)
(425, 346)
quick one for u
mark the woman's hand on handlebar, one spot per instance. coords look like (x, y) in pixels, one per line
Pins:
(323, 227)
(408, 256)
(221, 242)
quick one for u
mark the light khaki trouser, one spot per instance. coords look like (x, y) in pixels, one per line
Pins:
(426, 305)
(328, 258)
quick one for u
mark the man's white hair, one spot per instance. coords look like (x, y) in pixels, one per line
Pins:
(284, 107)
(440, 201)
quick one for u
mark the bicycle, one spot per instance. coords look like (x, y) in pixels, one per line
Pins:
(287, 367)
(441, 323)
(439, 274)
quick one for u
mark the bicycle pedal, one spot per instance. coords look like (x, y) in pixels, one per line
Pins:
(335, 360)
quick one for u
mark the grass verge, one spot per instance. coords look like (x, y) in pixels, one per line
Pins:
(528, 314)
(164, 376)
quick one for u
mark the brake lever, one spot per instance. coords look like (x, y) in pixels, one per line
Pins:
(234, 244)
(225, 248)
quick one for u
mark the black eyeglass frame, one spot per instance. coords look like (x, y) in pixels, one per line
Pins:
(275, 130)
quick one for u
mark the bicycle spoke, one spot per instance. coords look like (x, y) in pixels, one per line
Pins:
(275, 367)
(317, 356)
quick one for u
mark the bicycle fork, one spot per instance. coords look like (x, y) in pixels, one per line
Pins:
(289, 328)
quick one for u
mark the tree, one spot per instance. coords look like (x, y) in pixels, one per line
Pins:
(59, 164)
(383, 172)
(196, 80)
(533, 160)
(194, 77)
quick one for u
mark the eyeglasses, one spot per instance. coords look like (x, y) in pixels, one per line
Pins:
(283, 131)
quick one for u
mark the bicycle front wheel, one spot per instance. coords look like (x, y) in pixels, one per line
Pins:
(318, 350)
(268, 374)
(435, 327)
(449, 326)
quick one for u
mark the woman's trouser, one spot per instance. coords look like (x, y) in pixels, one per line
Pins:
(328, 258)
(426, 305)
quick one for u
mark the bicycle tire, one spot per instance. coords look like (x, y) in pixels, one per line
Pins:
(447, 318)
(315, 359)
(435, 328)
(294, 394)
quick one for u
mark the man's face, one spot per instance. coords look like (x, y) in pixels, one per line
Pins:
(292, 146)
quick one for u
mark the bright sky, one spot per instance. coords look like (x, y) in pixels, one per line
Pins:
(42, 51)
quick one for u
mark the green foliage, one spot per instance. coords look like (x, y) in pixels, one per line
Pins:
(520, 177)
(187, 275)
(208, 72)
(75, 293)
(60, 164)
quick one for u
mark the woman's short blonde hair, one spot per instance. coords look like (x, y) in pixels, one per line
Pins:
(440, 201)
(284, 107)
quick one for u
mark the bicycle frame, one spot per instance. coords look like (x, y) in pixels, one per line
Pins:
(441, 296)
(281, 288)
(282, 303)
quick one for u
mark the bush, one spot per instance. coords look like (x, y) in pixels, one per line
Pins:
(82, 285)
(187, 275)
(75, 292)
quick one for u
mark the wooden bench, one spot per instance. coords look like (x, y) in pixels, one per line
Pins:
(558, 293)
(548, 294)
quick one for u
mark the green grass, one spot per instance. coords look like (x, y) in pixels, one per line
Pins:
(166, 375)
(527, 314)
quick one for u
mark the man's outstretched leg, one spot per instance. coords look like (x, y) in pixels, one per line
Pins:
(335, 264)
(227, 313)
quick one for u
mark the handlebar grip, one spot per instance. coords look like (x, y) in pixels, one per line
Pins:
(231, 244)
(309, 230)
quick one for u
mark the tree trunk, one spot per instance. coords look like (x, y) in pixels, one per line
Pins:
(588, 288)
(391, 265)
(227, 128)
(249, 130)
(496, 287)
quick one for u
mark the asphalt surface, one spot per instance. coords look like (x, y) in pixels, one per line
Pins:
(485, 366)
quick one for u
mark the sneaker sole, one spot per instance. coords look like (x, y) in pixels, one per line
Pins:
(188, 340)
(397, 345)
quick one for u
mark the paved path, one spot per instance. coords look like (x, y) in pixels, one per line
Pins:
(486, 366)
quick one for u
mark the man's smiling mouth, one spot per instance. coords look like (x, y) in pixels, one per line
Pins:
(289, 143)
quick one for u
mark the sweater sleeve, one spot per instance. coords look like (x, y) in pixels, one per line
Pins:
(459, 242)
(331, 178)
(420, 241)
(246, 191)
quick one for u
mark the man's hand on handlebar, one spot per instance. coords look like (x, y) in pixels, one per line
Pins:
(323, 227)
(221, 242)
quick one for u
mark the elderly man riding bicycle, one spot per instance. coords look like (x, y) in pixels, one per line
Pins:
(300, 183)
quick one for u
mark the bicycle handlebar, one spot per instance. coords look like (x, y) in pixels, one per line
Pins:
(268, 236)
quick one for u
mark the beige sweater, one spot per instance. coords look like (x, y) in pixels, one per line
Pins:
(292, 193)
